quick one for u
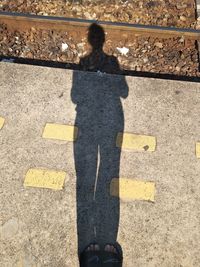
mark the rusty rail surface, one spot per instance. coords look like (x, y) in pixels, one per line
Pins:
(25, 21)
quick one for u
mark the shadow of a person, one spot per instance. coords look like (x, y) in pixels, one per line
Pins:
(97, 158)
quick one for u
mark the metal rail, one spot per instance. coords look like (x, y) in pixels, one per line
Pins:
(19, 20)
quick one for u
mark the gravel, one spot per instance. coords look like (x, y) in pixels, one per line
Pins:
(173, 55)
(179, 13)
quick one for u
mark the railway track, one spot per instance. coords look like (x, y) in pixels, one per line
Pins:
(18, 21)
(42, 37)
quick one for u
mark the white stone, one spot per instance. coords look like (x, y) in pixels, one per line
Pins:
(182, 18)
(159, 44)
(123, 50)
(64, 47)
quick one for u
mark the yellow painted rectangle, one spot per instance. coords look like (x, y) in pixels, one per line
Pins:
(136, 142)
(60, 132)
(45, 178)
(2, 120)
(198, 150)
(129, 189)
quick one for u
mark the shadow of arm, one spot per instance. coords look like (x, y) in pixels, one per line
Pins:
(120, 79)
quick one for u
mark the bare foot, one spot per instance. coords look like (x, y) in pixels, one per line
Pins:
(93, 247)
(110, 248)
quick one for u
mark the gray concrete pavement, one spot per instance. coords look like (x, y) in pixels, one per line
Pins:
(38, 226)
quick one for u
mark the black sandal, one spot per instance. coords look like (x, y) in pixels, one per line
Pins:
(111, 259)
(90, 258)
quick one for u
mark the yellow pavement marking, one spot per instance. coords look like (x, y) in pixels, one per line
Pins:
(129, 189)
(2, 120)
(136, 142)
(198, 150)
(60, 132)
(45, 178)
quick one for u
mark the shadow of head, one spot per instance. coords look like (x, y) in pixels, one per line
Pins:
(96, 36)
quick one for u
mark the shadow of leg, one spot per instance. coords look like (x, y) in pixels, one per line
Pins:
(85, 152)
(107, 207)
